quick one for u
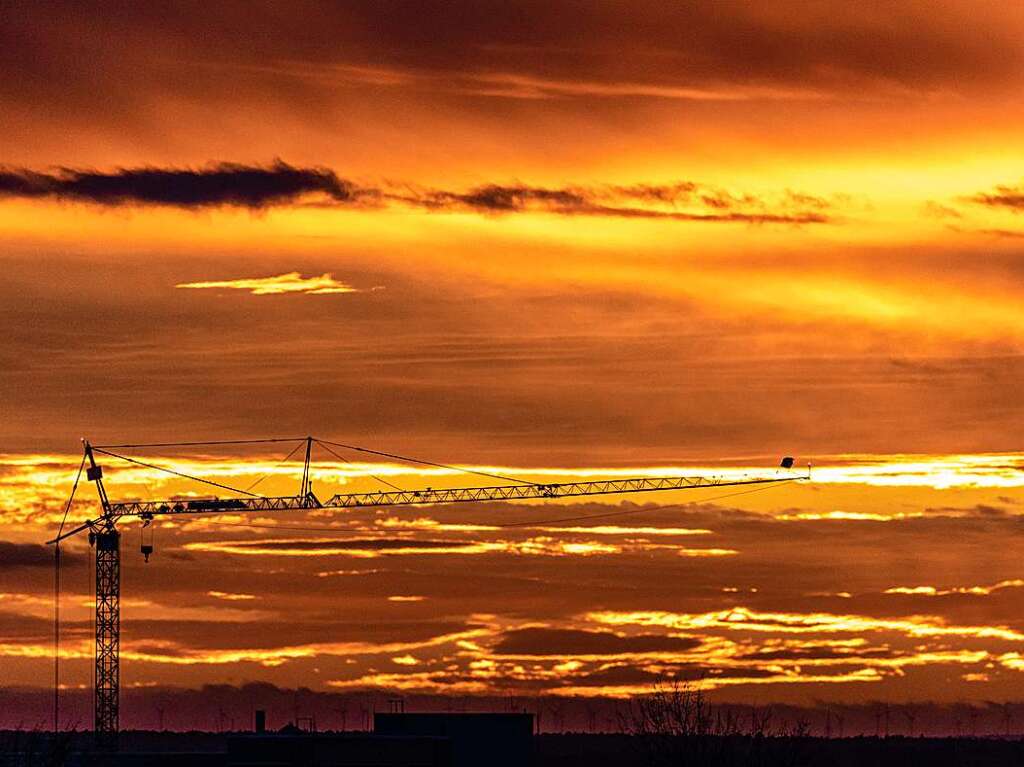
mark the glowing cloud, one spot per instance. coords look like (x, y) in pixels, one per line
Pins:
(229, 597)
(744, 619)
(932, 591)
(292, 282)
(619, 530)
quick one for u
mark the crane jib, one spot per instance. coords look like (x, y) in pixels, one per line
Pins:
(428, 496)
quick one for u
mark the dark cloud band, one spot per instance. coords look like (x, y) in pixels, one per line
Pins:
(1005, 197)
(223, 184)
(32, 555)
(281, 184)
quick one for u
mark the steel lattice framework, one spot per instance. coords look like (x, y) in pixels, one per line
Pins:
(149, 509)
(108, 632)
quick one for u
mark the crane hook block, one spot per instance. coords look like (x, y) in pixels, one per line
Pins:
(147, 549)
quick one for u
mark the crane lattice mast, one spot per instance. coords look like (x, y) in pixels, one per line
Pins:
(105, 537)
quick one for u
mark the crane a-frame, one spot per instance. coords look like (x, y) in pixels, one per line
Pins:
(106, 539)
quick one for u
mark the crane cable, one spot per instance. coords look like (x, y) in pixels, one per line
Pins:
(345, 460)
(176, 473)
(276, 466)
(202, 444)
(105, 449)
(426, 463)
(56, 599)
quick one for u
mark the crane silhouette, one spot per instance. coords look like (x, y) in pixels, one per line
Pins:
(105, 538)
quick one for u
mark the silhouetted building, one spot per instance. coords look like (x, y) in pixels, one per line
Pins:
(495, 740)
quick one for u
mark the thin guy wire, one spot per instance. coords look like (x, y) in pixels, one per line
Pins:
(279, 464)
(202, 444)
(345, 460)
(428, 463)
(177, 473)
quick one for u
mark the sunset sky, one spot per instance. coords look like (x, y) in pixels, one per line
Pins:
(558, 240)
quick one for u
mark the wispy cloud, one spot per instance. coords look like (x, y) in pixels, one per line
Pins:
(747, 620)
(934, 591)
(292, 282)
(231, 597)
(520, 85)
(1003, 196)
(680, 201)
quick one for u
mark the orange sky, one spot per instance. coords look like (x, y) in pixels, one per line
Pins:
(551, 237)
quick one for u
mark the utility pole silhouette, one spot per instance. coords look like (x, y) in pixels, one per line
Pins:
(556, 709)
(908, 712)
(342, 712)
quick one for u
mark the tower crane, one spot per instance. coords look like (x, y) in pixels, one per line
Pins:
(105, 538)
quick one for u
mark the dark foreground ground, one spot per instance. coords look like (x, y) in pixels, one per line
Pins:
(552, 750)
(199, 749)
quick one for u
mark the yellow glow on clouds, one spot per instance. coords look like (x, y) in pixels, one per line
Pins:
(292, 282)
(743, 619)
(28, 478)
(932, 591)
(369, 548)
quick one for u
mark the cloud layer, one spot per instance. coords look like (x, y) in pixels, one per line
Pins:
(810, 604)
(281, 184)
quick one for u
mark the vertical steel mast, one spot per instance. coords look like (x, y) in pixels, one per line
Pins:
(107, 540)
(307, 486)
